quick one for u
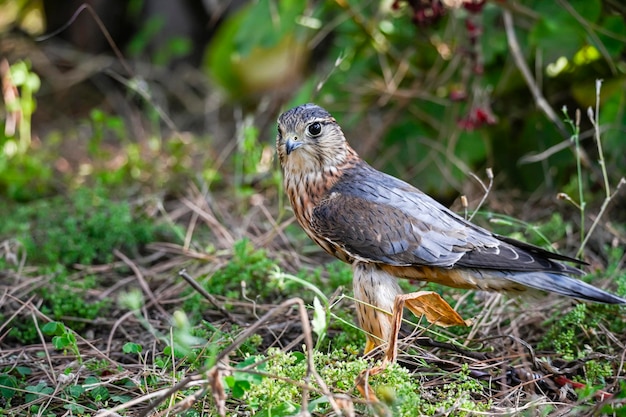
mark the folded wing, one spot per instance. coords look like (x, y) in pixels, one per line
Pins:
(379, 218)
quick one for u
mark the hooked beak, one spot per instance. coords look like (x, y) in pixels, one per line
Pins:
(291, 145)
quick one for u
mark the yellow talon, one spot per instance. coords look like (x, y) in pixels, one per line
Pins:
(369, 346)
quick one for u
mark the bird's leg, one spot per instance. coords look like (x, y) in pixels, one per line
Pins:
(378, 293)
(375, 291)
(422, 303)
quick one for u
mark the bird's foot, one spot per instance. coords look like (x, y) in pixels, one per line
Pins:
(362, 381)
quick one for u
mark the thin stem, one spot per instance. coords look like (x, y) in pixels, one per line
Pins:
(594, 117)
(486, 190)
(595, 121)
(575, 126)
(603, 208)
(579, 173)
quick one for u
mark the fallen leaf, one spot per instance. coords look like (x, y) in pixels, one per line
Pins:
(433, 307)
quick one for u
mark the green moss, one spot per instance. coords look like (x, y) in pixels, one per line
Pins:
(596, 372)
(83, 228)
(562, 335)
(75, 311)
(396, 386)
(245, 276)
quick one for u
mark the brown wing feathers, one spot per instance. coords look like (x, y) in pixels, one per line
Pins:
(362, 216)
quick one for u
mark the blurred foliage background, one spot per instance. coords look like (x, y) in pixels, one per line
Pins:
(152, 94)
(145, 129)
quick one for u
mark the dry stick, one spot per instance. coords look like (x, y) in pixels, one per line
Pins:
(142, 282)
(214, 372)
(191, 227)
(210, 298)
(276, 230)
(210, 219)
(52, 374)
(117, 323)
(137, 85)
(538, 157)
(486, 190)
(24, 305)
(603, 208)
(541, 102)
(612, 337)
(493, 301)
(102, 28)
(619, 369)
(130, 403)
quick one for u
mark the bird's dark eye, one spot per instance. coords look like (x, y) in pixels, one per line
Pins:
(314, 129)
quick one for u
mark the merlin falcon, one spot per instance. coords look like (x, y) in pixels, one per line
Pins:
(388, 229)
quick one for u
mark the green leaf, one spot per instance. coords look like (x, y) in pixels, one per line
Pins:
(53, 328)
(131, 347)
(239, 388)
(7, 383)
(19, 72)
(36, 391)
(300, 356)
(122, 399)
(32, 82)
(247, 377)
(23, 370)
(91, 380)
(318, 402)
(100, 393)
(240, 382)
(249, 361)
(60, 342)
(76, 390)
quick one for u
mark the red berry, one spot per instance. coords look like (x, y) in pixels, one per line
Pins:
(474, 6)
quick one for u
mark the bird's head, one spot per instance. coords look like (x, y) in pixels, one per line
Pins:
(309, 140)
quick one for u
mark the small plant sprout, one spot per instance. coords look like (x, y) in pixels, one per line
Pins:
(594, 117)
(63, 338)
